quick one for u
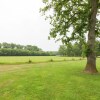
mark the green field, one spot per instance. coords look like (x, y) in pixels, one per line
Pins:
(34, 59)
(62, 80)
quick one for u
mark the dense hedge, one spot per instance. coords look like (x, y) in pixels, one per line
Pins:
(11, 49)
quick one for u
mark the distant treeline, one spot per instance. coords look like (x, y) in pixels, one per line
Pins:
(77, 49)
(11, 49)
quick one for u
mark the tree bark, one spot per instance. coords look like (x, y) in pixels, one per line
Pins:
(91, 56)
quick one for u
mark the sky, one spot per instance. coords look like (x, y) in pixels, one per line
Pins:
(21, 23)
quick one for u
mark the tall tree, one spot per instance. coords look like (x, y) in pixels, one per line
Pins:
(79, 15)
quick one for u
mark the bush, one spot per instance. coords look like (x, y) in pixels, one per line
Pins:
(30, 61)
(51, 60)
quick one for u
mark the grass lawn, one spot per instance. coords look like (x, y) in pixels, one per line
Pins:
(34, 59)
(49, 81)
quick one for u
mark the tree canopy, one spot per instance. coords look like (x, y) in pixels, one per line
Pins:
(68, 14)
(81, 17)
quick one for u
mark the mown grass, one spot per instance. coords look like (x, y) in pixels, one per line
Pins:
(33, 59)
(49, 81)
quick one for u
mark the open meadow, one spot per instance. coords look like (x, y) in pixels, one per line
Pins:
(33, 59)
(47, 78)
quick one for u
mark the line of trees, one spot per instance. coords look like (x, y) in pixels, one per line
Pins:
(70, 50)
(77, 49)
(11, 49)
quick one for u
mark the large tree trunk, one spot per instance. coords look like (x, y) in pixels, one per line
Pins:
(91, 57)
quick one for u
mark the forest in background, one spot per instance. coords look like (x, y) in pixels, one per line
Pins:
(11, 49)
(71, 50)
(77, 49)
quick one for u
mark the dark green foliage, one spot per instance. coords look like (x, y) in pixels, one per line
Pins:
(51, 60)
(70, 50)
(97, 45)
(63, 50)
(11, 49)
(77, 49)
(30, 61)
